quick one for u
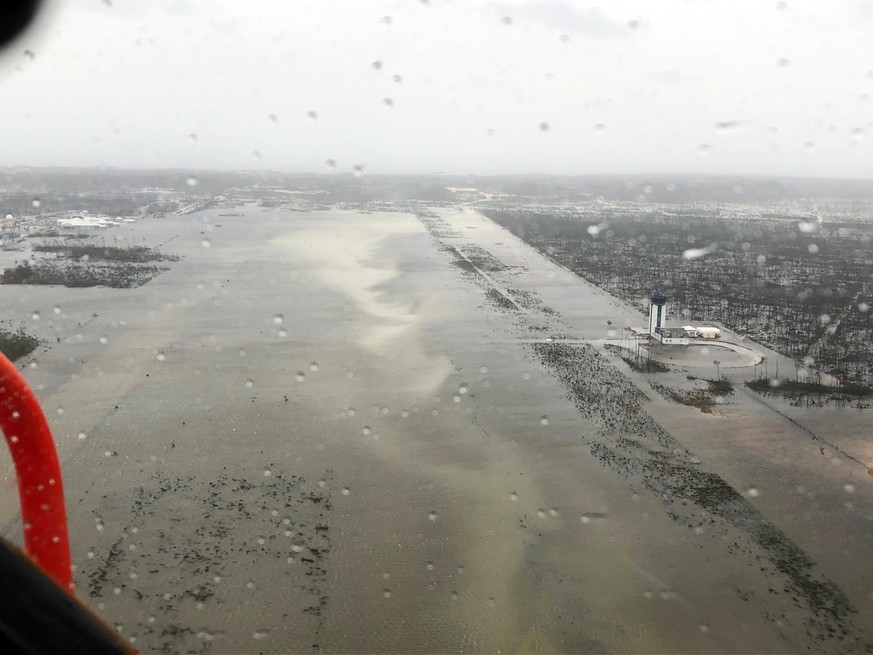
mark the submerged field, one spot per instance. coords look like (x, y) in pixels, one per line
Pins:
(337, 431)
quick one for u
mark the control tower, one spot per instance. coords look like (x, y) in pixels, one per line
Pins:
(657, 312)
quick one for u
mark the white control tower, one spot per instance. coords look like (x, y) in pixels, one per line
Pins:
(657, 312)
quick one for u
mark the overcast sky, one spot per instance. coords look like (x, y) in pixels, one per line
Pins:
(463, 86)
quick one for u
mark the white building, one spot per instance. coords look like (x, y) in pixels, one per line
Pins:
(691, 330)
(707, 332)
(673, 336)
(657, 313)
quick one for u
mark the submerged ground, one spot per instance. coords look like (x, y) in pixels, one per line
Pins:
(356, 432)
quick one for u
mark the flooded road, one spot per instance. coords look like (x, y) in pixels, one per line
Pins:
(344, 432)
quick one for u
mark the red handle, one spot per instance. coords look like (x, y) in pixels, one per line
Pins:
(39, 475)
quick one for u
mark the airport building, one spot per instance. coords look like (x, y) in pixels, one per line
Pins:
(674, 336)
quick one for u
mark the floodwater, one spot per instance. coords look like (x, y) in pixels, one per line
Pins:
(323, 433)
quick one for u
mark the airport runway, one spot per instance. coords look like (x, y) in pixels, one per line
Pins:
(331, 432)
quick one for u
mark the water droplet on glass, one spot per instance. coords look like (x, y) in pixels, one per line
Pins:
(432, 516)
(513, 497)
(784, 62)
(60, 411)
(192, 181)
(330, 164)
(376, 65)
(82, 436)
(192, 138)
(300, 377)
(856, 134)
(388, 102)
(812, 248)
(386, 594)
(599, 129)
(728, 127)
(278, 319)
(312, 115)
(752, 492)
(160, 357)
(544, 127)
(35, 316)
(346, 491)
(506, 20)
(809, 147)
(205, 243)
(273, 118)
(849, 488)
(35, 203)
(397, 79)
(489, 132)
(256, 154)
(104, 340)
(313, 366)
(704, 149)
(283, 332)
(367, 430)
(544, 420)
(358, 170)
(250, 384)
(593, 230)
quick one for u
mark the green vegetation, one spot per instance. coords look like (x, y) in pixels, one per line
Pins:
(643, 365)
(698, 398)
(638, 363)
(794, 388)
(118, 275)
(91, 252)
(720, 387)
(17, 344)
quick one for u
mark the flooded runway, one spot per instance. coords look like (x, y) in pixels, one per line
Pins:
(329, 431)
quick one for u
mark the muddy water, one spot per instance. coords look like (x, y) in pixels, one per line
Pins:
(345, 446)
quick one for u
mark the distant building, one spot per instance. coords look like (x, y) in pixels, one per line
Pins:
(706, 332)
(691, 330)
(84, 224)
(673, 336)
(658, 318)
(657, 313)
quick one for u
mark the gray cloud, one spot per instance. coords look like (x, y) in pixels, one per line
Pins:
(126, 84)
